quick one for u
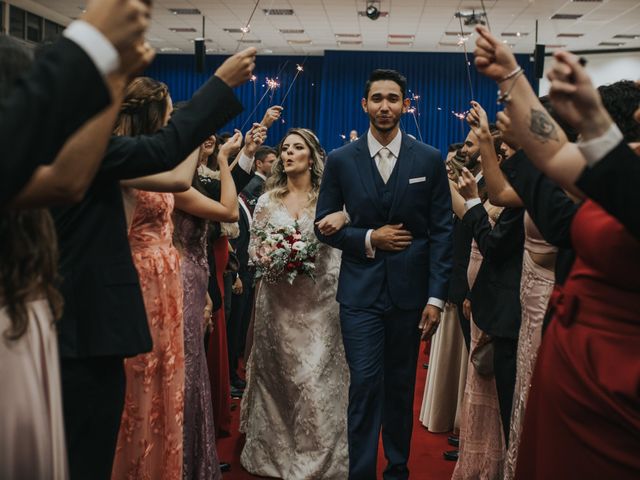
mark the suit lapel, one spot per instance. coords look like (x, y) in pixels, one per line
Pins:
(363, 166)
(404, 166)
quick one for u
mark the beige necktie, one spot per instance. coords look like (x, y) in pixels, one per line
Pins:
(385, 165)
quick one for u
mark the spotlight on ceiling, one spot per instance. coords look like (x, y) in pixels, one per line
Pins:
(372, 11)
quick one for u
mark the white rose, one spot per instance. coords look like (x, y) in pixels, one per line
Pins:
(299, 245)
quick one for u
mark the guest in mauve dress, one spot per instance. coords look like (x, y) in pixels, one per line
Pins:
(193, 209)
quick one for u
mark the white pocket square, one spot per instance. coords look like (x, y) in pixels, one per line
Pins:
(417, 180)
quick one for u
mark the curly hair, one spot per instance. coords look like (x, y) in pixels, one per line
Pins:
(277, 185)
(621, 99)
(143, 109)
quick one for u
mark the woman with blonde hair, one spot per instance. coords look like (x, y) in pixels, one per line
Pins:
(294, 409)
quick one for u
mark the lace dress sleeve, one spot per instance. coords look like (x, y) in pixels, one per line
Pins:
(261, 216)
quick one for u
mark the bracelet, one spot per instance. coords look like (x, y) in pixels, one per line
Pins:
(506, 97)
(517, 70)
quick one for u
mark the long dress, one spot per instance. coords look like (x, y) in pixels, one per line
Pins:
(535, 290)
(482, 448)
(583, 415)
(294, 409)
(442, 400)
(32, 443)
(150, 437)
(200, 460)
(217, 351)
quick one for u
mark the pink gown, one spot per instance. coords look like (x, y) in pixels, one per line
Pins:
(150, 438)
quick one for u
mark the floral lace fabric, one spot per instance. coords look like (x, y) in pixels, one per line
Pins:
(150, 438)
(294, 410)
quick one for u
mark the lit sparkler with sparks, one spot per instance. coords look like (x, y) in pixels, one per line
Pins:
(299, 70)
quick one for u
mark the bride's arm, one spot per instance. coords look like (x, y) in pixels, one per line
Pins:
(334, 222)
(260, 221)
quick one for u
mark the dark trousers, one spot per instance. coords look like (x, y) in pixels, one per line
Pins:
(236, 328)
(505, 353)
(465, 325)
(93, 392)
(381, 344)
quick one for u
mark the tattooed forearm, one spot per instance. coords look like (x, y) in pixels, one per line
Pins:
(542, 126)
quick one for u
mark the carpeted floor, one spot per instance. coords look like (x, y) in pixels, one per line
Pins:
(425, 463)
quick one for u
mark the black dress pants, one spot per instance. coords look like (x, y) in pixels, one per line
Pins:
(504, 365)
(93, 392)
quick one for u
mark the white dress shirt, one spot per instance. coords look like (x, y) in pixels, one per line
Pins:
(394, 149)
(264, 177)
(472, 202)
(245, 162)
(99, 49)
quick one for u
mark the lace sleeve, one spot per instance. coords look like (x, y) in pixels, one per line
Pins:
(261, 216)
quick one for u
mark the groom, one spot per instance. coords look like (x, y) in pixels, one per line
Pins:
(395, 268)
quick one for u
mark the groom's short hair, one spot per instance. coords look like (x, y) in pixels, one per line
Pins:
(384, 74)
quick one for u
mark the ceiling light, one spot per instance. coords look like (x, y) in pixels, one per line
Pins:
(277, 11)
(372, 12)
(185, 11)
(566, 16)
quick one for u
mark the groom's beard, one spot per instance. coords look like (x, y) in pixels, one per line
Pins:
(472, 160)
(383, 129)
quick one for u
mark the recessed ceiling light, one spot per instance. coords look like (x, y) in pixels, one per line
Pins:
(398, 36)
(182, 29)
(232, 30)
(399, 43)
(515, 34)
(291, 31)
(185, 11)
(570, 35)
(299, 42)
(627, 36)
(349, 42)
(246, 40)
(363, 13)
(610, 44)
(457, 34)
(170, 49)
(277, 11)
(347, 35)
(448, 44)
(566, 16)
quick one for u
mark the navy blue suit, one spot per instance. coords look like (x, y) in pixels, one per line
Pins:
(381, 299)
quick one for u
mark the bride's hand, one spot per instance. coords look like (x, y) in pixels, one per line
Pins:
(332, 223)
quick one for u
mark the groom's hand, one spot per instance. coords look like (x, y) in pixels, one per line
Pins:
(392, 238)
(429, 321)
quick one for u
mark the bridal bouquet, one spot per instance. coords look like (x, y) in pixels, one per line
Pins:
(284, 252)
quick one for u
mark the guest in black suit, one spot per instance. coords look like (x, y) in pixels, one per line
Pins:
(265, 156)
(495, 296)
(104, 319)
(65, 87)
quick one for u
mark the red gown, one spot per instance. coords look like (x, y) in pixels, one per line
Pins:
(583, 416)
(217, 356)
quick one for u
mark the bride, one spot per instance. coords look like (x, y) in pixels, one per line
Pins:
(294, 409)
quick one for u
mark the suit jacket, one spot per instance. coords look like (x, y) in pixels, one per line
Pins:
(241, 243)
(549, 207)
(422, 205)
(104, 310)
(459, 285)
(495, 296)
(61, 92)
(254, 188)
(613, 183)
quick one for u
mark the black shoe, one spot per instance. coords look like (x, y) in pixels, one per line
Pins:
(453, 440)
(451, 455)
(236, 392)
(425, 365)
(239, 384)
(225, 467)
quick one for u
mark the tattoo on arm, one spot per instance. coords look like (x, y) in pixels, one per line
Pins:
(542, 126)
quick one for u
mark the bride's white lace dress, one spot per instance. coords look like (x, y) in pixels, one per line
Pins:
(294, 409)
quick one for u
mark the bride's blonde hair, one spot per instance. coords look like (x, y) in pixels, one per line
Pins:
(276, 184)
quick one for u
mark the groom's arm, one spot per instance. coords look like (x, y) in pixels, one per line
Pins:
(349, 239)
(440, 233)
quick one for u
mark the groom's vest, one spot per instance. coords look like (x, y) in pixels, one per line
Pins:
(385, 191)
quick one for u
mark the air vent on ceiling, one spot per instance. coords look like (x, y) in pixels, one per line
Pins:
(299, 42)
(570, 35)
(514, 34)
(400, 36)
(610, 44)
(291, 31)
(350, 42)
(362, 13)
(456, 34)
(277, 11)
(185, 11)
(170, 49)
(347, 35)
(399, 43)
(557, 45)
(182, 29)
(566, 16)
(586, 1)
(232, 30)
(627, 36)
(247, 40)
(448, 44)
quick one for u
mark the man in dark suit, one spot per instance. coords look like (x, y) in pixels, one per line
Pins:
(104, 319)
(265, 156)
(396, 261)
(495, 296)
(65, 87)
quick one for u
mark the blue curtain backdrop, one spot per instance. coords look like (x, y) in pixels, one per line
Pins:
(326, 95)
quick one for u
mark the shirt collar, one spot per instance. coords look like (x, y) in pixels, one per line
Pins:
(260, 175)
(375, 146)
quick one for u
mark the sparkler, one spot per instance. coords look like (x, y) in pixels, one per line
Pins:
(271, 85)
(299, 70)
(247, 26)
(412, 111)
